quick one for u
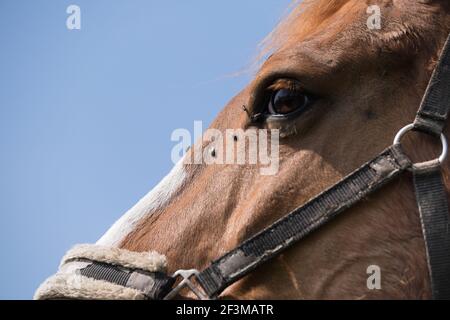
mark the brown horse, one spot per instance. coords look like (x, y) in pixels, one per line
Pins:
(356, 87)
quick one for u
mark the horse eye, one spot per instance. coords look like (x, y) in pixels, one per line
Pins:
(287, 101)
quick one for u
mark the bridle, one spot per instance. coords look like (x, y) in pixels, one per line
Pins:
(430, 193)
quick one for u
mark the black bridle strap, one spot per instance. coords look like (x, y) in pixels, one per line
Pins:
(431, 194)
(433, 207)
(302, 221)
(435, 106)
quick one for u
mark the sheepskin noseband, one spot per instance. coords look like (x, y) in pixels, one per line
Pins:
(98, 272)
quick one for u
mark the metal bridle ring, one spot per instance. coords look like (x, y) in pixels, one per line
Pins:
(409, 127)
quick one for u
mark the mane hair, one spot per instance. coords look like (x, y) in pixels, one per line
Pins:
(405, 32)
(301, 20)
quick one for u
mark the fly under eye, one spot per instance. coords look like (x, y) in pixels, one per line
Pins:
(287, 101)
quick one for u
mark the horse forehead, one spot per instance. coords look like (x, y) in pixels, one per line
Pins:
(336, 24)
(326, 51)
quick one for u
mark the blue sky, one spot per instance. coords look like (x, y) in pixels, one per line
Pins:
(86, 115)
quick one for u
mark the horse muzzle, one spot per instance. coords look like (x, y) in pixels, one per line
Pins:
(107, 273)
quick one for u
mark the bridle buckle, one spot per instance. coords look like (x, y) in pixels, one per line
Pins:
(186, 282)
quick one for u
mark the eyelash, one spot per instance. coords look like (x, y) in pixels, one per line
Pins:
(291, 89)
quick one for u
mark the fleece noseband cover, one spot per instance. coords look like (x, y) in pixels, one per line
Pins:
(106, 273)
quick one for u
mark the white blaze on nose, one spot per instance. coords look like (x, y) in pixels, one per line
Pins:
(153, 201)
